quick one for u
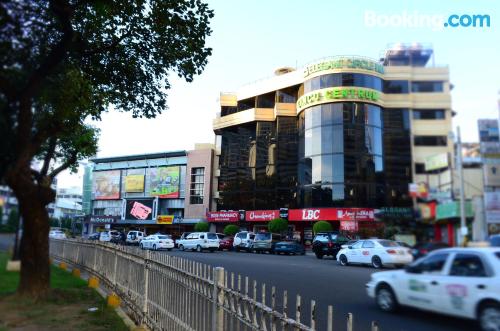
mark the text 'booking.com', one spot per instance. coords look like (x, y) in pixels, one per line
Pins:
(414, 19)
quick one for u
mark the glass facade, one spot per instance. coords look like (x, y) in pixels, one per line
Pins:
(343, 79)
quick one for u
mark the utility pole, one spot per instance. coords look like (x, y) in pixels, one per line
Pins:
(463, 225)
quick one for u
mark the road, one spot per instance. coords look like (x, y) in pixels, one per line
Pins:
(329, 284)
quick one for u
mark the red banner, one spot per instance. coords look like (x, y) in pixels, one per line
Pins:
(351, 226)
(261, 215)
(331, 214)
(223, 216)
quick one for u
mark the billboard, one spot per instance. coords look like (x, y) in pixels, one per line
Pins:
(139, 209)
(492, 206)
(165, 219)
(106, 184)
(418, 190)
(435, 162)
(134, 183)
(164, 182)
(491, 174)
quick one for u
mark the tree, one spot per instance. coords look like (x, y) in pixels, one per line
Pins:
(322, 226)
(277, 225)
(231, 230)
(64, 62)
(201, 227)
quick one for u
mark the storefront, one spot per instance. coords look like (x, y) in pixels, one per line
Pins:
(447, 225)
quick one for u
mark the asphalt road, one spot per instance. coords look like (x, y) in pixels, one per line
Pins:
(329, 284)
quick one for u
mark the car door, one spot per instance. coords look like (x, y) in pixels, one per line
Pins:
(423, 285)
(146, 242)
(354, 253)
(367, 251)
(467, 280)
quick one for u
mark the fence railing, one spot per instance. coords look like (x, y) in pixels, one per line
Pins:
(166, 292)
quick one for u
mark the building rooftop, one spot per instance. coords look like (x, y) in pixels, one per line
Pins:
(139, 157)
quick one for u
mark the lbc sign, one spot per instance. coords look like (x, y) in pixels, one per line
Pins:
(331, 214)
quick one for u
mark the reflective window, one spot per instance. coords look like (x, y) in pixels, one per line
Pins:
(368, 244)
(430, 141)
(467, 265)
(433, 263)
(426, 86)
(396, 86)
(343, 79)
(428, 114)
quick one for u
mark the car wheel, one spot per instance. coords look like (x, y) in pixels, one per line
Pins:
(319, 256)
(385, 299)
(489, 316)
(376, 262)
(154, 247)
(212, 250)
(343, 260)
(198, 248)
(181, 247)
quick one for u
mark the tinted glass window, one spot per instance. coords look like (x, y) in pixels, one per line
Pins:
(343, 79)
(162, 237)
(433, 264)
(202, 236)
(252, 236)
(421, 86)
(430, 140)
(368, 244)
(396, 86)
(358, 244)
(263, 236)
(428, 114)
(388, 243)
(212, 236)
(467, 265)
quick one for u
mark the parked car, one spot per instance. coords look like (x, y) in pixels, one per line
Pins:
(200, 241)
(494, 240)
(423, 249)
(226, 243)
(376, 252)
(463, 282)
(328, 243)
(118, 237)
(157, 242)
(57, 234)
(265, 242)
(289, 247)
(182, 237)
(134, 237)
(243, 241)
(93, 236)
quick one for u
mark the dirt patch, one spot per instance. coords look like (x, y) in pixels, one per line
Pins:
(65, 309)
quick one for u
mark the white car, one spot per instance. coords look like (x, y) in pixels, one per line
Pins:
(243, 240)
(199, 241)
(57, 234)
(376, 252)
(156, 242)
(134, 237)
(462, 282)
(107, 235)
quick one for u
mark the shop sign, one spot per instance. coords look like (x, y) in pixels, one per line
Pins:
(336, 93)
(492, 206)
(435, 194)
(223, 216)
(165, 219)
(394, 212)
(418, 190)
(262, 215)
(351, 226)
(490, 148)
(134, 183)
(436, 162)
(452, 210)
(344, 63)
(427, 210)
(331, 214)
(491, 174)
(104, 219)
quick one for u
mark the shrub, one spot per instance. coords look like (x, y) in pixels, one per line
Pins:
(322, 226)
(201, 227)
(277, 225)
(231, 230)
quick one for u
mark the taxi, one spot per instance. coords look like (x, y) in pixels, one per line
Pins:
(462, 282)
(375, 252)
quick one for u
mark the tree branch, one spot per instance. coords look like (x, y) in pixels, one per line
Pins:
(71, 160)
(50, 153)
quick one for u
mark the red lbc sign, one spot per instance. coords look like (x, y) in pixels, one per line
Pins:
(331, 214)
(223, 216)
(262, 215)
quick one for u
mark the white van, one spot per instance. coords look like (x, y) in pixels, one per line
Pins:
(244, 240)
(199, 241)
(134, 237)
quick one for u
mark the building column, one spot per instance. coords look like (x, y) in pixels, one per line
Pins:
(451, 234)
(438, 236)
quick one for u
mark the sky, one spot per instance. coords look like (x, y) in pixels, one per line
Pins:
(250, 39)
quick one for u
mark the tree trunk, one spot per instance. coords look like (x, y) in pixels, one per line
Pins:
(33, 198)
(35, 268)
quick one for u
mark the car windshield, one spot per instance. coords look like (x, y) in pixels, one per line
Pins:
(388, 243)
(163, 237)
(211, 236)
(498, 255)
(263, 236)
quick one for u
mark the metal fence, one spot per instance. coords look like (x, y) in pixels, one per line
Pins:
(165, 292)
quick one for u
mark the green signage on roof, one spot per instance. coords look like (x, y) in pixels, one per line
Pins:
(344, 63)
(335, 94)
